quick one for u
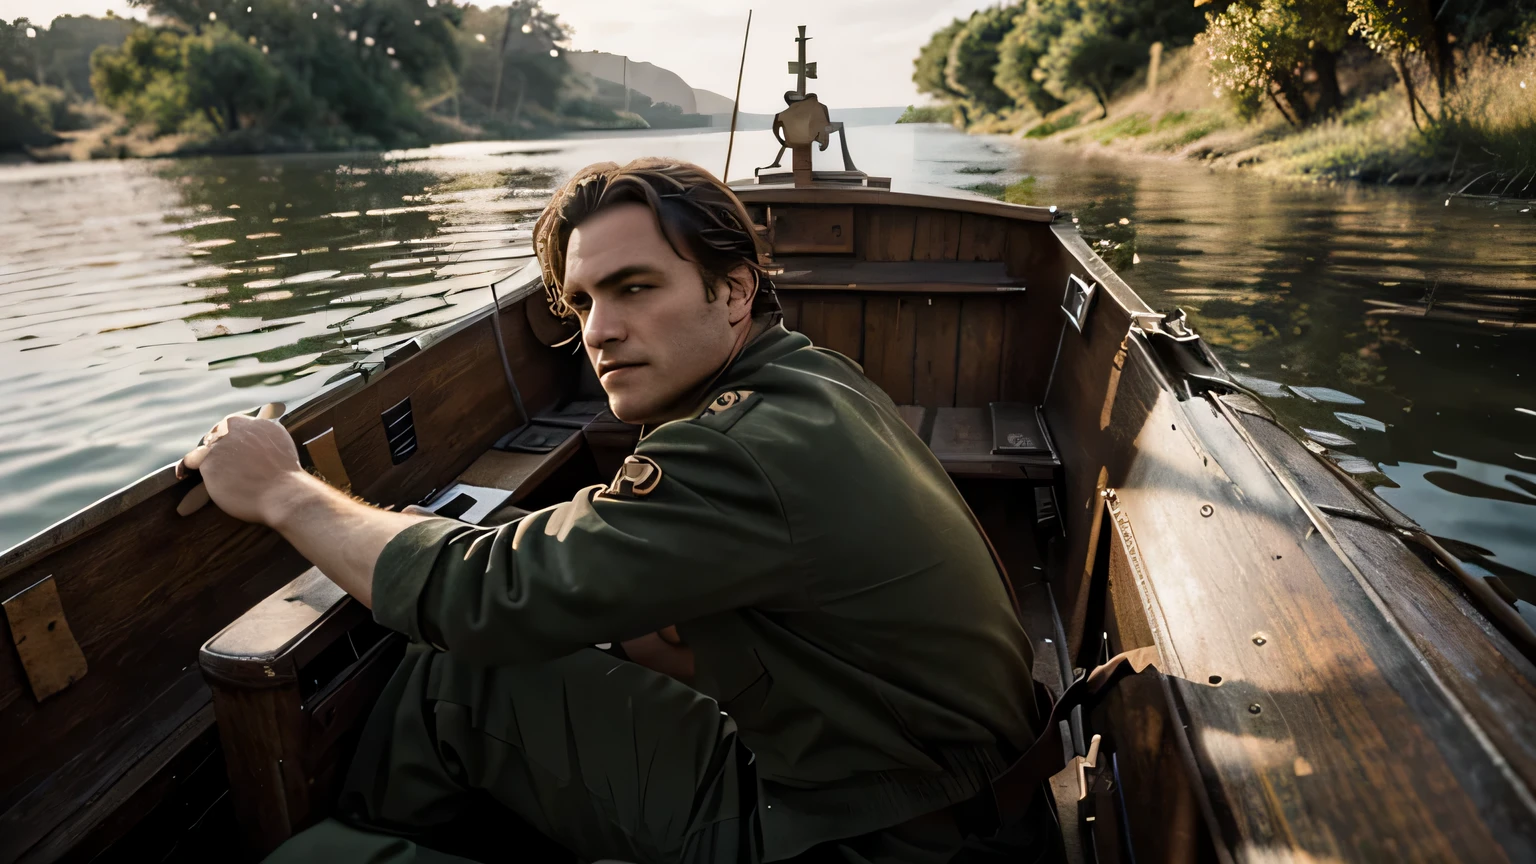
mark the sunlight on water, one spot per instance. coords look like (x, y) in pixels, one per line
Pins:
(140, 301)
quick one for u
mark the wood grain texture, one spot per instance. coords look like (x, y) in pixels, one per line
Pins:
(44, 643)
(842, 326)
(1495, 682)
(790, 302)
(934, 362)
(885, 234)
(890, 341)
(982, 238)
(147, 587)
(979, 377)
(936, 236)
(811, 230)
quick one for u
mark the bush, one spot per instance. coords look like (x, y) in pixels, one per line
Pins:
(932, 61)
(928, 114)
(27, 114)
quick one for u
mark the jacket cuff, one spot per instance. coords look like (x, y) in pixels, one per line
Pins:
(403, 570)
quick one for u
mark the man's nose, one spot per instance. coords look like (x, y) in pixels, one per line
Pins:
(604, 324)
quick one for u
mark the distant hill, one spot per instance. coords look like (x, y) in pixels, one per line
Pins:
(710, 102)
(661, 85)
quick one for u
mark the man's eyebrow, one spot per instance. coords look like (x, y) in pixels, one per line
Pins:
(623, 273)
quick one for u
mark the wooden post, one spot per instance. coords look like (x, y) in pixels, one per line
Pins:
(1152, 68)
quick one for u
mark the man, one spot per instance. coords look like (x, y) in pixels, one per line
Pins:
(861, 674)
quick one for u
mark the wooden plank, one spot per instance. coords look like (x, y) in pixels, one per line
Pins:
(790, 302)
(43, 640)
(981, 351)
(1027, 353)
(811, 230)
(813, 319)
(938, 331)
(890, 234)
(147, 587)
(843, 326)
(865, 197)
(936, 236)
(981, 238)
(890, 340)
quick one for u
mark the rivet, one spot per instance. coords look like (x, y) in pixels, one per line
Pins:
(1206, 510)
(1255, 708)
(1259, 640)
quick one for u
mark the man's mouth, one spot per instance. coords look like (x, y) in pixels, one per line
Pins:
(605, 368)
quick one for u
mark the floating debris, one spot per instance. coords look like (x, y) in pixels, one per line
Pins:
(1526, 411)
(1329, 438)
(1326, 394)
(1263, 386)
(1360, 421)
(1355, 465)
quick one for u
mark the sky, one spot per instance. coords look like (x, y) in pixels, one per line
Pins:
(863, 48)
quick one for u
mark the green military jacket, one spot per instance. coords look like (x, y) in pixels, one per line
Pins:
(841, 605)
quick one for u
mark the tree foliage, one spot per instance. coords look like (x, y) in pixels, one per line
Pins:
(972, 63)
(227, 79)
(1036, 26)
(143, 79)
(932, 61)
(1264, 49)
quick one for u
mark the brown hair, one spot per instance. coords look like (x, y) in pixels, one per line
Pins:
(703, 221)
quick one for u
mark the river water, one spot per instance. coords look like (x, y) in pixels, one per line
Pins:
(142, 300)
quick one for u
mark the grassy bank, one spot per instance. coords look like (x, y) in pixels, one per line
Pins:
(1480, 139)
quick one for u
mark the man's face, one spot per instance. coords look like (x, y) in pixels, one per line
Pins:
(650, 331)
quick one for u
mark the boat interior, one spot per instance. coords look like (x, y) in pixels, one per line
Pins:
(189, 674)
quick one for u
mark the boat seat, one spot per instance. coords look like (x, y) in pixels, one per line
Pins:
(1004, 440)
(294, 678)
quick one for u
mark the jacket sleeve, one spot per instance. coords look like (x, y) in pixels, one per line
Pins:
(709, 536)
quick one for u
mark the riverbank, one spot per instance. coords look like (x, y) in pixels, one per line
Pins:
(1479, 140)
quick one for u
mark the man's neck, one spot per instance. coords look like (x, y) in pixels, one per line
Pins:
(692, 404)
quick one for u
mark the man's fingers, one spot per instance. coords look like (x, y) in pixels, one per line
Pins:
(192, 461)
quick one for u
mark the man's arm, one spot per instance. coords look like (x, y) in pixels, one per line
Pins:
(252, 472)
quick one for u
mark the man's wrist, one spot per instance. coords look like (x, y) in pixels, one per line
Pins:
(292, 495)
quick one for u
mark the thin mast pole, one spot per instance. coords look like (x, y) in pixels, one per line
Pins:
(736, 106)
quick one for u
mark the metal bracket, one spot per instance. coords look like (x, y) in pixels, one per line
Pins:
(1079, 301)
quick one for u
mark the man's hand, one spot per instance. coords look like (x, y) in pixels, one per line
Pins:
(250, 467)
(663, 651)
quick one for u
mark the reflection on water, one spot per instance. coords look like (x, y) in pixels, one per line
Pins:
(140, 301)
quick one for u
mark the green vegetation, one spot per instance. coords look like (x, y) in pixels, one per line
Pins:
(927, 114)
(232, 75)
(1020, 191)
(1390, 90)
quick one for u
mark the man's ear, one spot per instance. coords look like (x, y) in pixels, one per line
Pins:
(743, 291)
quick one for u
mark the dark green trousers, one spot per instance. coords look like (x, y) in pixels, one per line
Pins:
(605, 757)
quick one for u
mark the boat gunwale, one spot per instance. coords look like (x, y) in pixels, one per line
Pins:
(82, 522)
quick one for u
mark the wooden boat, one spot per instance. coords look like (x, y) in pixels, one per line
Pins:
(1326, 689)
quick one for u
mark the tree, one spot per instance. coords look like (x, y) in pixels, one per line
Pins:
(1263, 49)
(972, 62)
(510, 68)
(928, 69)
(1088, 56)
(1396, 29)
(1034, 29)
(226, 77)
(143, 79)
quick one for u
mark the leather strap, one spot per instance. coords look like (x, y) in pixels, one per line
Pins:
(1015, 788)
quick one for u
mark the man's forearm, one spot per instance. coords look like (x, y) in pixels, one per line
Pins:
(339, 534)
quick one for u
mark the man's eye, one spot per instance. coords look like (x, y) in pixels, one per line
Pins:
(578, 301)
(636, 288)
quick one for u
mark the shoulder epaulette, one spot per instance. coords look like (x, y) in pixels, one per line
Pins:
(724, 410)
